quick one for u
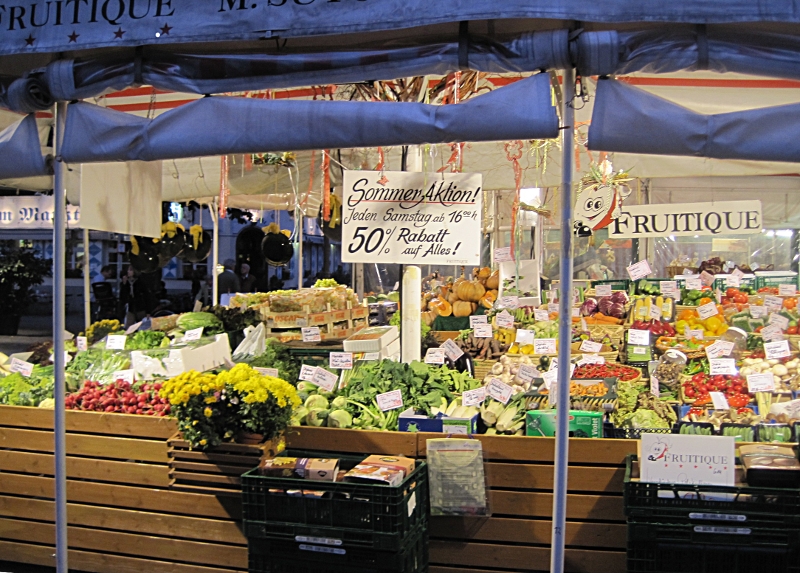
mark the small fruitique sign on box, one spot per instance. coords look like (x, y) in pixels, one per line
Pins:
(690, 460)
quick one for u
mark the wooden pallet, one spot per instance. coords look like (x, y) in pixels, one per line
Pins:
(216, 471)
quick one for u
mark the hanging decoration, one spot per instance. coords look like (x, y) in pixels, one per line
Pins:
(600, 197)
(173, 239)
(326, 184)
(514, 154)
(143, 254)
(276, 246)
(310, 179)
(224, 190)
(197, 245)
(333, 228)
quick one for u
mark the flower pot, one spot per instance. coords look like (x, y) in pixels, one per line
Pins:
(248, 438)
(9, 324)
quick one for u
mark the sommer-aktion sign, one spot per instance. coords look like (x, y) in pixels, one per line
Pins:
(411, 218)
(718, 218)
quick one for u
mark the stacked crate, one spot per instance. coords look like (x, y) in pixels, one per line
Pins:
(298, 526)
(679, 528)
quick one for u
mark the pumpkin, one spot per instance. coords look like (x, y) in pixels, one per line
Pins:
(483, 274)
(452, 298)
(444, 308)
(462, 308)
(428, 317)
(488, 299)
(493, 281)
(471, 291)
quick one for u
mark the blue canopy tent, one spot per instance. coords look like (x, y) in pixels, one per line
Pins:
(94, 134)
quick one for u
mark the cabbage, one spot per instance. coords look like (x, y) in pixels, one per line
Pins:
(647, 419)
(617, 310)
(605, 305)
(619, 296)
(589, 307)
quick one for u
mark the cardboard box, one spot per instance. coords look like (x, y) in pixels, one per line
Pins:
(581, 424)
(411, 422)
(406, 465)
(321, 469)
(317, 469)
(369, 474)
(182, 359)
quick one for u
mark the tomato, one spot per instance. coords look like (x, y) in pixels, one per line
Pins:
(741, 298)
(704, 300)
(732, 292)
(792, 330)
(690, 393)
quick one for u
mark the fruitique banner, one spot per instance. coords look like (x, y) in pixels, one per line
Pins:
(33, 212)
(411, 218)
(718, 218)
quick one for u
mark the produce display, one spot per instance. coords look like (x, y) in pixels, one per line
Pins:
(119, 396)
(36, 390)
(315, 299)
(461, 297)
(608, 308)
(624, 373)
(697, 389)
(638, 408)
(480, 348)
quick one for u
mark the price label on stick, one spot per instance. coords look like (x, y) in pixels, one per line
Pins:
(780, 321)
(526, 373)
(602, 290)
(669, 288)
(694, 284)
(524, 336)
(550, 378)
(477, 319)
(324, 379)
(733, 281)
(434, 356)
(128, 376)
(268, 372)
(473, 397)
(779, 349)
(706, 278)
(504, 320)
(707, 310)
(483, 331)
(639, 337)
(311, 334)
(552, 307)
(499, 390)
(544, 346)
(761, 382)
(719, 401)
(503, 255)
(133, 328)
(116, 342)
(696, 334)
(590, 347)
(639, 270)
(194, 334)
(307, 372)
(82, 343)
(341, 360)
(24, 368)
(655, 387)
(371, 356)
(451, 350)
(390, 400)
(773, 302)
(655, 312)
(541, 315)
(719, 349)
(758, 311)
(787, 290)
(724, 366)
(591, 359)
(511, 302)
(772, 332)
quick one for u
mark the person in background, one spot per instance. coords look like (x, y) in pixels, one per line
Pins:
(204, 291)
(132, 297)
(247, 281)
(228, 282)
(108, 273)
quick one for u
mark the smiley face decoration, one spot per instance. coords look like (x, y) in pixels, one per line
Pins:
(600, 198)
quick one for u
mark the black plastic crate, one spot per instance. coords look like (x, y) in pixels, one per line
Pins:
(632, 433)
(359, 515)
(288, 556)
(665, 557)
(654, 501)
(712, 533)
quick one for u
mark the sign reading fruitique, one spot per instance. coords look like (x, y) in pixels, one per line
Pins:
(411, 218)
(680, 459)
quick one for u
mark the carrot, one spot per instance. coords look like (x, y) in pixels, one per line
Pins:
(603, 319)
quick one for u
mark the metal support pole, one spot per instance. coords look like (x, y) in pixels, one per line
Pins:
(59, 322)
(215, 250)
(87, 282)
(564, 330)
(299, 221)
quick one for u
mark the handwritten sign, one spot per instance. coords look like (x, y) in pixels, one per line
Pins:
(483, 331)
(82, 343)
(311, 334)
(341, 360)
(758, 311)
(639, 337)
(706, 278)
(655, 312)
(541, 315)
(524, 336)
(719, 349)
(779, 349)
(307, 372)
(511, 302)
(116, 342)
(391, 400)
(503, 255)
(499, 390)
(694, 284)
(772, 332)
(324, 379)
(732, 281)
(526, 373)
(719, 401)
(544, 346)
(451, 350)
(21, 366)
(193, 334)
(477, 319)
(655, 387)
(552, 307)
(696, 334)
(602, 290)
(639, 270)
(434, 356)
(591, 347)
(128, 376)
(273, 372)
(773, 302)
(669, 288)
(780, 321)
(473, 397)
(724, 366)
(787, 290)
(707, 310)
(550, 378)
(764, 382)
(591, 359)
(504, 320)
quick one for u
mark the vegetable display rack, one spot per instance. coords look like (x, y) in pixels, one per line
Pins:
(334, 324)
(217, 470)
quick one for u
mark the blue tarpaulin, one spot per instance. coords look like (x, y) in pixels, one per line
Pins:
(21, 151)
(222, 125)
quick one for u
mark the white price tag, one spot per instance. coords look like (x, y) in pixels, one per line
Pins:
(504, 320)
(773, 302)
(524, 336)
(133, 328)
(732, 281)
(451, 350)
(390, 400)
(655, 312)
(707, 310)
(590, 347)
(477, 319)
(483, 331)
(779, 349)
(371, 356)
(128, 376)
(541, 315)
(550, 378)
(194, 334)
(639, 270)
(758, 311)
(787, 290)
(719, 401)
(669, 288)
(591, 359)
(719, 349)
(780, 321)
(655, 387)
(324, 379)
(696, 334)
(82, 343)
(724, 366)
(511, 302)
(639, 350)
(576, 312)
(707, 278)
(544, 346)
(584, 327)
(67, 357)
(503, 255)
(553, 364)
(761, 382)
(116, 342)
(639, 337)
(694, 284)
(552, 307)
(341, 360)
(526, 373)
(24, 368)
(434, 356)
(499, 390)
(307, 372)
(772, 332)
(473, 397)
(602, 290)
(737, 273)
(273, 372)
(311, 334)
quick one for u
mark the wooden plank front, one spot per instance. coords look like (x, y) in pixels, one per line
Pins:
(540, 476)
(534, 504)
(112, 424)
(351, 441)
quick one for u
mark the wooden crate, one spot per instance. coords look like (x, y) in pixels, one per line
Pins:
(216, 471)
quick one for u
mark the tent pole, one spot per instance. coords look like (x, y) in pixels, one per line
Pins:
(299, 219)
(215, 250)
(87, 282)
(59, 307)
(564, 329)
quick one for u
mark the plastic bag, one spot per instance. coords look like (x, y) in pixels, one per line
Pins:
(457, 478)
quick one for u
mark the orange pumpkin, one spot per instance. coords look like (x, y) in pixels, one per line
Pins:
(493, 281)
(428, 317)
(445, 308)
(488, 299)
(483, 273)
(471, 291)
(462, 308)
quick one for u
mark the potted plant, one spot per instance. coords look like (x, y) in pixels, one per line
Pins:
(20, 271)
